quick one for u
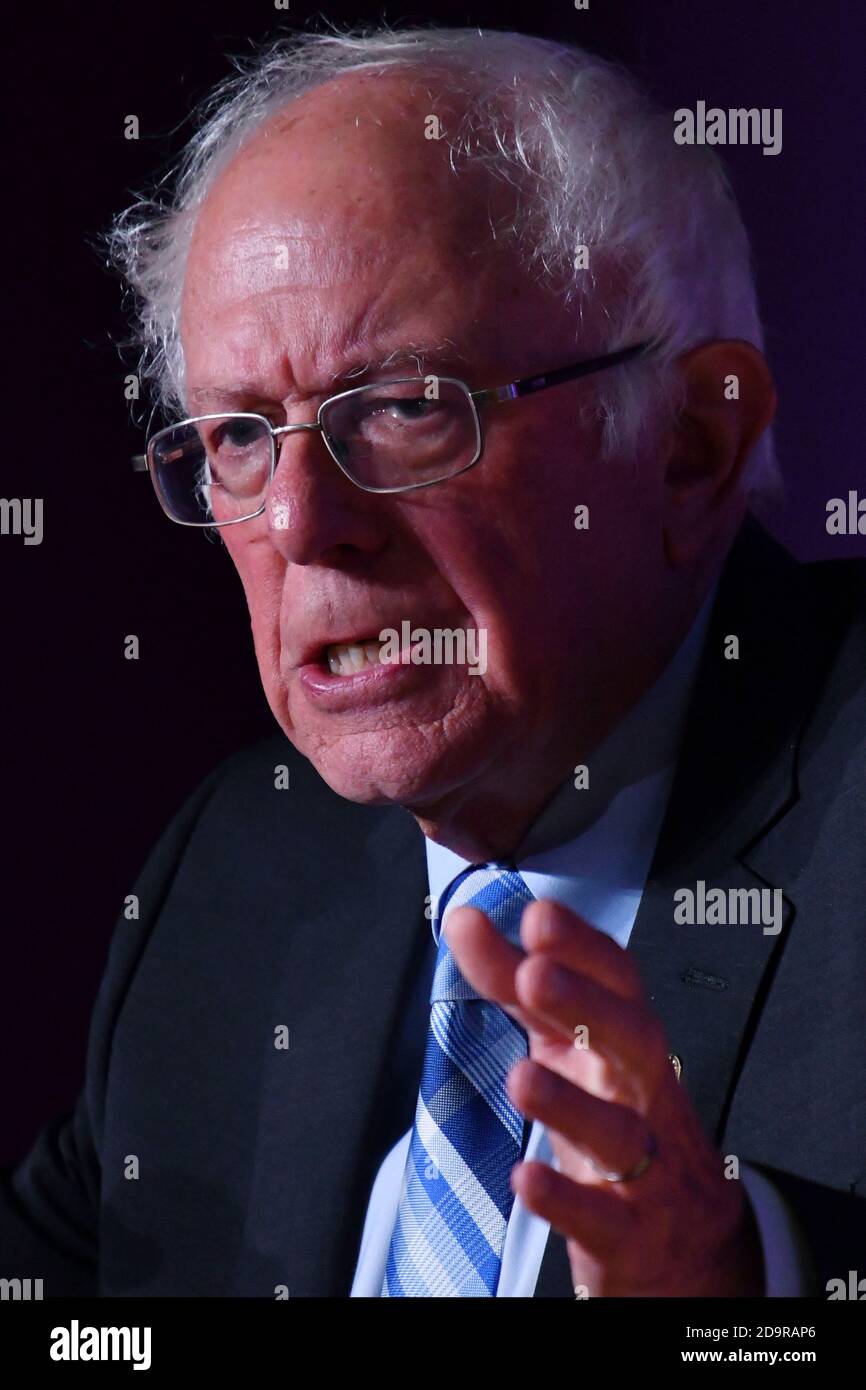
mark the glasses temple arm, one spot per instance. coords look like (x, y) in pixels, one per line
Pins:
(528, 384)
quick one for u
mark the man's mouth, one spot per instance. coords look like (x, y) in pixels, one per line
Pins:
(347, 658)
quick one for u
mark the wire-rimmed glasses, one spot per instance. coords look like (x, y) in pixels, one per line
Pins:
(386, 437)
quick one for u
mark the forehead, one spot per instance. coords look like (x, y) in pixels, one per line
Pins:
(340, 228)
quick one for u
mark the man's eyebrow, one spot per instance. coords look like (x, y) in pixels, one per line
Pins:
(414, 356)
(417, 355)
(228, 395)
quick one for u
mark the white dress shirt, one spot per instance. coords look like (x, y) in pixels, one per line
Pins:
(590, 849)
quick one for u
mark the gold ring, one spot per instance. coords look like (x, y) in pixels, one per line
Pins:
(635, 1172)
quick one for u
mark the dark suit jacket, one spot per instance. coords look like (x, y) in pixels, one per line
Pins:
(262, 908)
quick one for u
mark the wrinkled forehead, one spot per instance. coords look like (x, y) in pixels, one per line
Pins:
(341, 223)
(344, 180)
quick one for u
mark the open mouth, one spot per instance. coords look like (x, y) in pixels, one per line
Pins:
(348, 658)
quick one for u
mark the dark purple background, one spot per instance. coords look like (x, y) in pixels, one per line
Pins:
(97, 752)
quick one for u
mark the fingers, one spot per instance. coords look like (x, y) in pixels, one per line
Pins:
(621, 1030)
(614, 1137)
(486, 959)
(597, 1219)
(550, 1000)
(490, 964)
(551, 929)
(548, 929)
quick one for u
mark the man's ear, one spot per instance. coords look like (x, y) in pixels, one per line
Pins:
(729, 400)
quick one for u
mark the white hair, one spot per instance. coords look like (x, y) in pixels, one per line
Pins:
(593, 163)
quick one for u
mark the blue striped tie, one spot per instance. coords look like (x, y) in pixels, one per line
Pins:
(456, 1196)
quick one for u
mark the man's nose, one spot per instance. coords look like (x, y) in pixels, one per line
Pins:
(312, 508)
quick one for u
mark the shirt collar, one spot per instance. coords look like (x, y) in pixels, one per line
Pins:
(630, 774)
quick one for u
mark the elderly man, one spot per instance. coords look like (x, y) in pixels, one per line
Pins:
(524, 960)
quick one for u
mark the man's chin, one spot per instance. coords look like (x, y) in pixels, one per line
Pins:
(409, 761)
(390, 775)
(371, 786)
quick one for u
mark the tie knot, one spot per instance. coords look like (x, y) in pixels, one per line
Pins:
(498, 891)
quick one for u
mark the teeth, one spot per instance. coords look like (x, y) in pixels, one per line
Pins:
(345, 658)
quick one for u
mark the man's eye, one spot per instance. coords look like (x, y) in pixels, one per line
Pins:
(412, 409)
(236, 434)
(406, 410)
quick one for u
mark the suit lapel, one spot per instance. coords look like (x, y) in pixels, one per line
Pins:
(734, 785)
(345, 970)
(735, 780)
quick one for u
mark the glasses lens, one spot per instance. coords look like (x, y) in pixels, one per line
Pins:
(214, 470)
(403, 433)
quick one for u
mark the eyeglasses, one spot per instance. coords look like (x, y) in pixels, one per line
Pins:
(395, 436)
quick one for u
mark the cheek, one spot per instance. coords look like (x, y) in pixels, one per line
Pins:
(519, 575)
(262, 574)
(519, 647)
